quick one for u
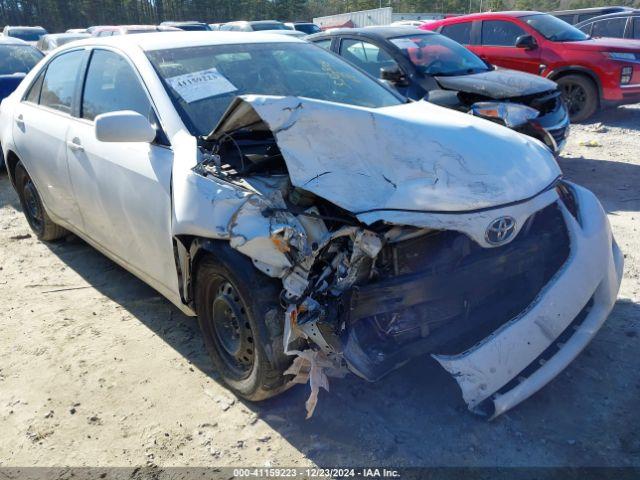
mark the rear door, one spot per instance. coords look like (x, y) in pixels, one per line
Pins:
(498, 46)
(123, 188)
(41, 122)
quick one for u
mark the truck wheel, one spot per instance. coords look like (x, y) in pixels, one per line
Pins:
(241, 319)
(580, 95)
(44, 228)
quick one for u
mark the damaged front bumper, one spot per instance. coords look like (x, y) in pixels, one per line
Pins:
(587, 283)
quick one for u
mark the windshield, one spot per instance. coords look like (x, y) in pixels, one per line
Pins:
(307, 28)
(439, 55)
(18, 58)
(257, 27)
(554, 29)
(203, 81)
(194, 27)
(27, 34)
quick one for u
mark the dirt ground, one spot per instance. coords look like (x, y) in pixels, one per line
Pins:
(97, 369)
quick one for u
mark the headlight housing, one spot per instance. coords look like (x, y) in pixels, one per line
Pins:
(512, 114)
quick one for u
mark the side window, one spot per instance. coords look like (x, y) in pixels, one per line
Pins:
(636, 27)
(500, 33)
(566, 18)
(112, 85)
(586, 28)
(326, 44)
(59, 82)
(586, 16)
(33, 95)
(614, 27)
(367, 56)
(460, 32)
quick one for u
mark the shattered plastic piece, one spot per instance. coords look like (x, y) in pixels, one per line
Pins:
(590, 143)
(309, 366)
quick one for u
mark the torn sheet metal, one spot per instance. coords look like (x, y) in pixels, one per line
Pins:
(407, 157)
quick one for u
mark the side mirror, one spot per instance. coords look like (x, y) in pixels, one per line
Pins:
(393, 75)
(527, 42)
(124, 126)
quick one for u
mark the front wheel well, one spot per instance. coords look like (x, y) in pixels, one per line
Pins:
(555, 76)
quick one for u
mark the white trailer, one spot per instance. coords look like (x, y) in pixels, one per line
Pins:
(364, 18)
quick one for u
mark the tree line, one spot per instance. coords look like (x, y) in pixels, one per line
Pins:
(59, 15)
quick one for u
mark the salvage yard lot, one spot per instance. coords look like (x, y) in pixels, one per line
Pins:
(96, 368)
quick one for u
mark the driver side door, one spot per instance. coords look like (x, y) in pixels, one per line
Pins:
(498, 46)
(123, 188)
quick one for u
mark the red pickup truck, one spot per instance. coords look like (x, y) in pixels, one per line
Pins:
(592, 72)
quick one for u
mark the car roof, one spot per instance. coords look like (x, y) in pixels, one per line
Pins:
(483, 15)
(630, 13)
(381, 33)
(25, 27)
(11, 41)
(159, 40)
(186, 22)
(613, 8)
(262, 22)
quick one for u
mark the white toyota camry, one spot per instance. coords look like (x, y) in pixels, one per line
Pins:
(311, 218)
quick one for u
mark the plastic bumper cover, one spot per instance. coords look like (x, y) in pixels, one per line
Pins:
(593, 272)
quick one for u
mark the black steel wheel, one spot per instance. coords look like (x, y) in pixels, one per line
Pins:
(241, 323)
(44, 228)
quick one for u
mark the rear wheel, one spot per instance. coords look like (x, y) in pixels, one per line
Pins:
(580, 95)
(44, 228)
(241, 320)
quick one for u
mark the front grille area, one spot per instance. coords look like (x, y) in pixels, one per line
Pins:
(443, 293)
(559, 134)
(545, 103)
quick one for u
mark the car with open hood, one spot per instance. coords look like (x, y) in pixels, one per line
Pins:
(427, 65)
(312, 219)
(592, 73)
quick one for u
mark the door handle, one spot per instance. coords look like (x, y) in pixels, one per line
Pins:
(20, 120)
(75, 145)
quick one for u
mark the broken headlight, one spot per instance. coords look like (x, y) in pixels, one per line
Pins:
(511, 114)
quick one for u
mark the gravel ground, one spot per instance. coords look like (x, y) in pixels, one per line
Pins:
(96, 369)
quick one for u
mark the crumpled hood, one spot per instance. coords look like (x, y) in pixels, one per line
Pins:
(416, 156)
(498, 84)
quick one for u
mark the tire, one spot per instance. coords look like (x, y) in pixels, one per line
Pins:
(580, 95)
(241, 320)
(44, 228)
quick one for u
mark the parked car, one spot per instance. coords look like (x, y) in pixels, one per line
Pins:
(591, 73)
(256, 26)
(108, 31)
(614, 25)
(308, 28)
(51, 41)
(17, 58)
(581, 14)
(291, 33)
(187, 26)
(423, 64)
(28, 34)
(310, 216)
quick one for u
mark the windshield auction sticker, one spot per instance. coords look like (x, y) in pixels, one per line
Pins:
(203, 84)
